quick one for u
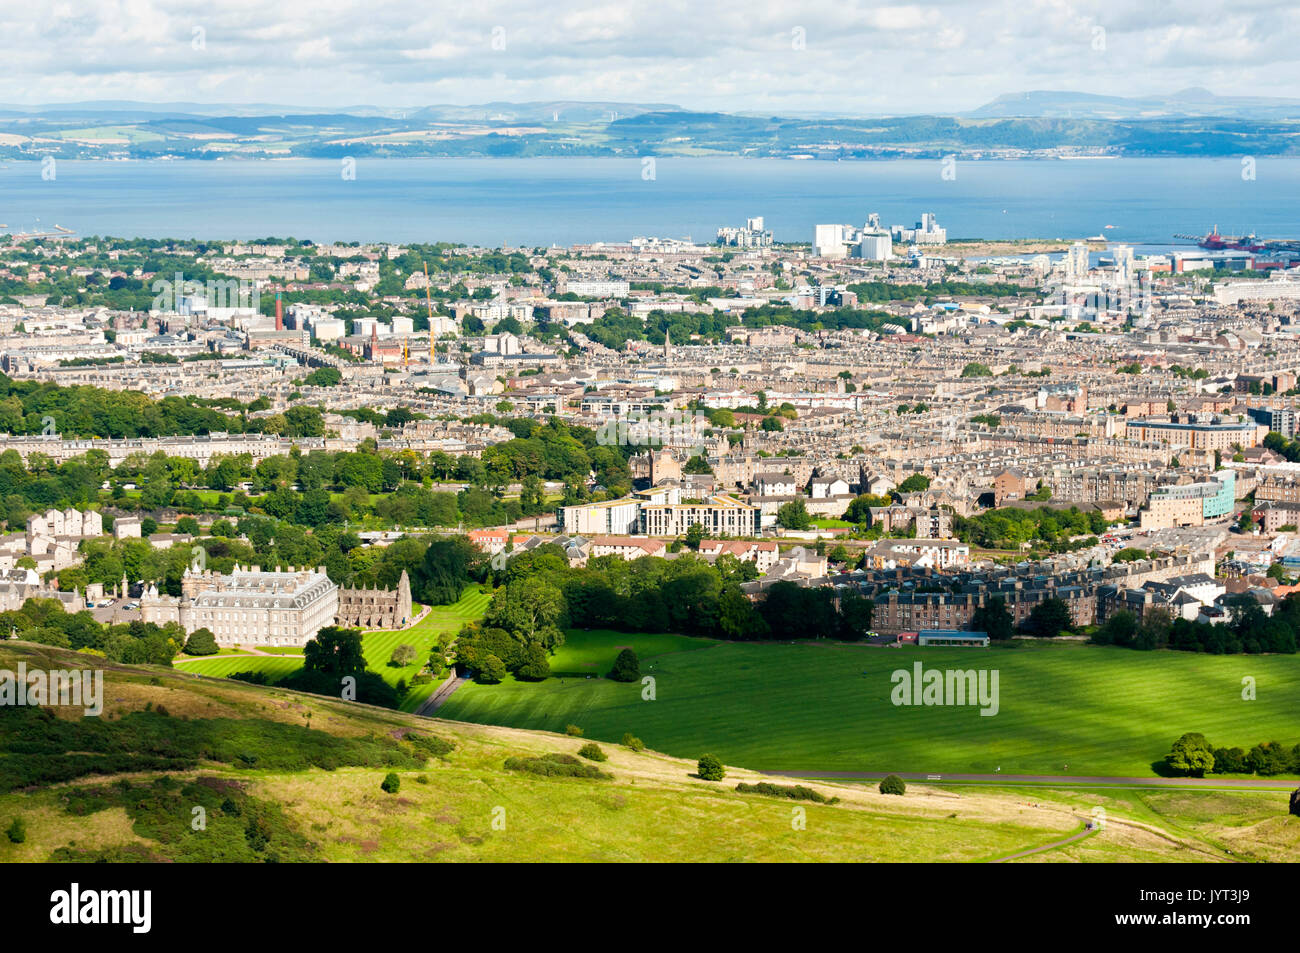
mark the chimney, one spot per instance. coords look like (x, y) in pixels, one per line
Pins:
(279, 312)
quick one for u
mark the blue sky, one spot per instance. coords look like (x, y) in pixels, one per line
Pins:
(836, 56)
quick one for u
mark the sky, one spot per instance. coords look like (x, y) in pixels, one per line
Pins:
(832, 56)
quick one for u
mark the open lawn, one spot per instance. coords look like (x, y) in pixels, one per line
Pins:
(1064, 709)
(592, 652)
(377, 647)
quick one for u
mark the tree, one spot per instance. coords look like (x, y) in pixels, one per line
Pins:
(794, 515)
(1049, 619)
(335, 651)
(711, 769)
(493, 670)
(403, 655)
(1191, 755)
(201, 642)
(916, 483)
(694, 535)
(391, 783)
(626, 667)
(993, 618)
(536, 667)
(1120, 629)
(893, 784)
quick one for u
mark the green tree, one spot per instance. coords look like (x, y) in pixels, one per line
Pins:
(892, 784)
(993, 618)
(710, 768)
(201, 642)
(794, 515)
(1049, 619)
(1191, 755)
(626, 668)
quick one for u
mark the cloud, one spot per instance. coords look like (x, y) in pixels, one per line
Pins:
(844, 56)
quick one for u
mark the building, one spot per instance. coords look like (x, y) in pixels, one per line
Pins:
(248, 606)
(376, 608)
(951, 637)
(1191, 504)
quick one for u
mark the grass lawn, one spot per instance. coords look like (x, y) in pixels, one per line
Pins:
(833, 524)
(592, 652)
(1099, 710)
(377, 647)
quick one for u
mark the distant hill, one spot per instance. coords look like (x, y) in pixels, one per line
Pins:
(1190, 102)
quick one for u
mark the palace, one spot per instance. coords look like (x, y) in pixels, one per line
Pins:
(249, 606)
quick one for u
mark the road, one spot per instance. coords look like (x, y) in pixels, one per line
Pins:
(434, 701)
(1063, 780)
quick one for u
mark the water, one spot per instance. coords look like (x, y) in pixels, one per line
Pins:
(563, 201)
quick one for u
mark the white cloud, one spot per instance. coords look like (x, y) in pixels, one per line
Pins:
(859, 56)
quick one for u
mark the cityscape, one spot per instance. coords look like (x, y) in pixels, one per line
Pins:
(793, 540)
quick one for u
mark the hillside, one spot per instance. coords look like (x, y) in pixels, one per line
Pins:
(285, 776)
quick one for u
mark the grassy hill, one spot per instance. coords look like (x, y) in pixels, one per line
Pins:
(286, 776)
(819, 707)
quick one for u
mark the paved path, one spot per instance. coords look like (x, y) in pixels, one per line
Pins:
(1064, 780)
(434, 701)
(1039, 850)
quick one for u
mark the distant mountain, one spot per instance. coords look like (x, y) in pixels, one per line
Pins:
(1185, 103)
(131, 110)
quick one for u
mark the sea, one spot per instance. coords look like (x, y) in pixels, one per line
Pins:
(563, 201)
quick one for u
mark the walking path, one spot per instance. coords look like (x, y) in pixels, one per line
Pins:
(1064, 780)
(435, 701)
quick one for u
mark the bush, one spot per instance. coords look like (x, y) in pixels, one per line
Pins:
(573, 731)
(592, 752)
(402, 656)
(795, 792)
(710, 768)
(201, 642)
(893, 785)
(633, 742)
(391, 783)
(556, 766)
(17, 831)
(627, 668)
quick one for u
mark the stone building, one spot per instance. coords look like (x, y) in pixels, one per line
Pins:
(249, 606)
(376, 608)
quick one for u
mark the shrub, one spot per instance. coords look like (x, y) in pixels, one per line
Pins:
(893, 785)
(710, 768)
(626, 668)
(556, 766)
(592, 752)
(795, 792)
(201, 642)
(391, 783)
(573, 731)
(17, 831)
(632, 741)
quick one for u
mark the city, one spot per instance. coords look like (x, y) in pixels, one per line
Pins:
(954, 536)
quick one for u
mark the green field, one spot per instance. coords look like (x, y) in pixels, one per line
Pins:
(377, 646)
(814, 707)
(593, 652)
